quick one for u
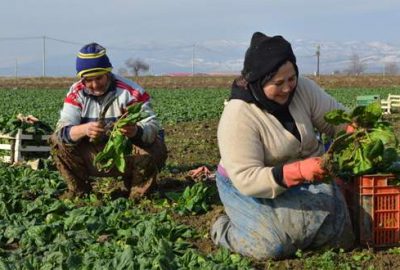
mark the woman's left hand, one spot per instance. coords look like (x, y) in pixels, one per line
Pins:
(129, 130)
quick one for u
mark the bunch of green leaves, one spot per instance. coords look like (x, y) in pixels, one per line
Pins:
(10, 125)
(118, 146)
(371, 148)
(194, 200)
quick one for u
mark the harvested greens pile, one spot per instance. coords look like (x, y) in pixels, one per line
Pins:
(29, 125)
(370, 149)
(118, 146)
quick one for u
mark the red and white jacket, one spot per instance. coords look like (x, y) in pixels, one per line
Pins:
(81, 107)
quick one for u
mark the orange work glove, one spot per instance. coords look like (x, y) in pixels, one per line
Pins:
(307, 170)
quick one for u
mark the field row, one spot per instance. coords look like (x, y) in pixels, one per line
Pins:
(172, 106)
(203, 82)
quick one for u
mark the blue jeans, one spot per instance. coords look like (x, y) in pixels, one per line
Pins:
(303, 217)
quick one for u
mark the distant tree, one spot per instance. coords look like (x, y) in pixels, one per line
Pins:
(356, 67)
(136, 65)
(123, 71)
(391, 68)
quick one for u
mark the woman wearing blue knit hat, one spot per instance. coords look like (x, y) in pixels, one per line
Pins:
(92, 104)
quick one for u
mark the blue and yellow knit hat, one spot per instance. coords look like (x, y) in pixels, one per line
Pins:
(92, 60)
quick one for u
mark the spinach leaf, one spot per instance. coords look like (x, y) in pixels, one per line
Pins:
(371, 148)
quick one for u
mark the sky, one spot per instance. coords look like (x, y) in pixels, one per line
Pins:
(42, 37)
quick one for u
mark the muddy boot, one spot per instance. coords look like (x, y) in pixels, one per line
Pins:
(143, 178)
(141, 190)
(76, 185)
(71, 167)
(143, 167)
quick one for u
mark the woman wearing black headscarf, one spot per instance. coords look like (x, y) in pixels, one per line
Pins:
(269, 176)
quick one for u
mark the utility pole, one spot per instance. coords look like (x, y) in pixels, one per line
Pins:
(16, 68)
(16, 73)
(318, 54)
(193, 55)
(44, 57)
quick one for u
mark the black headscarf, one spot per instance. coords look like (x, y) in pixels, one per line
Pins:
(263, 58)
(265, 55)
(254, 93)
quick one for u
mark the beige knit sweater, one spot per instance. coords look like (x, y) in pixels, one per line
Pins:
(252, 141)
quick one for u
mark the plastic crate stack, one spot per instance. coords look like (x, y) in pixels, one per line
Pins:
(16, 150)
(374, 206)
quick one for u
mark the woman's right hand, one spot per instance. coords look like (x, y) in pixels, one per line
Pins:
(307, 170)
(350, 128)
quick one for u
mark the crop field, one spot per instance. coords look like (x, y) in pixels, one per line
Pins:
(167, 230)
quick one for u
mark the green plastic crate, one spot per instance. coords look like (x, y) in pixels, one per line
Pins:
(365, 100)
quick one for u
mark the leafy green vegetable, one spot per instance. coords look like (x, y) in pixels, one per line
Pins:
(40, 231)
(193, 200)
(118, 146)
(371, 148)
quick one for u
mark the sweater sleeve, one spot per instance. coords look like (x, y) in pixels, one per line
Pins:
(149, 126)
(321, 103)
(242, 152)
(70, 116)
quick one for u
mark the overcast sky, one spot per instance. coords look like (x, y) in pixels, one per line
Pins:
(170, 34)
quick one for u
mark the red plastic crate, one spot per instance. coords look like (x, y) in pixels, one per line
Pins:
(374, 206)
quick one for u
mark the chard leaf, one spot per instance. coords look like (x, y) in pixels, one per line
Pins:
(118, 146)
(389, 156)
(337, 117)
(385, 134)
(367, 116)
(119, 161)
(371, 148)
(135, 108)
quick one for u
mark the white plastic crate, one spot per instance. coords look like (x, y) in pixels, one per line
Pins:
(17, 149)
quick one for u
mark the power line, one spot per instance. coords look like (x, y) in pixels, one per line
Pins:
(149, 48)
(108, 47)
(45, 38)
(19, 38)
(64, 41)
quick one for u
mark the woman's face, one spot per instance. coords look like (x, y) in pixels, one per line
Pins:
(97, 84)
(282, 84)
